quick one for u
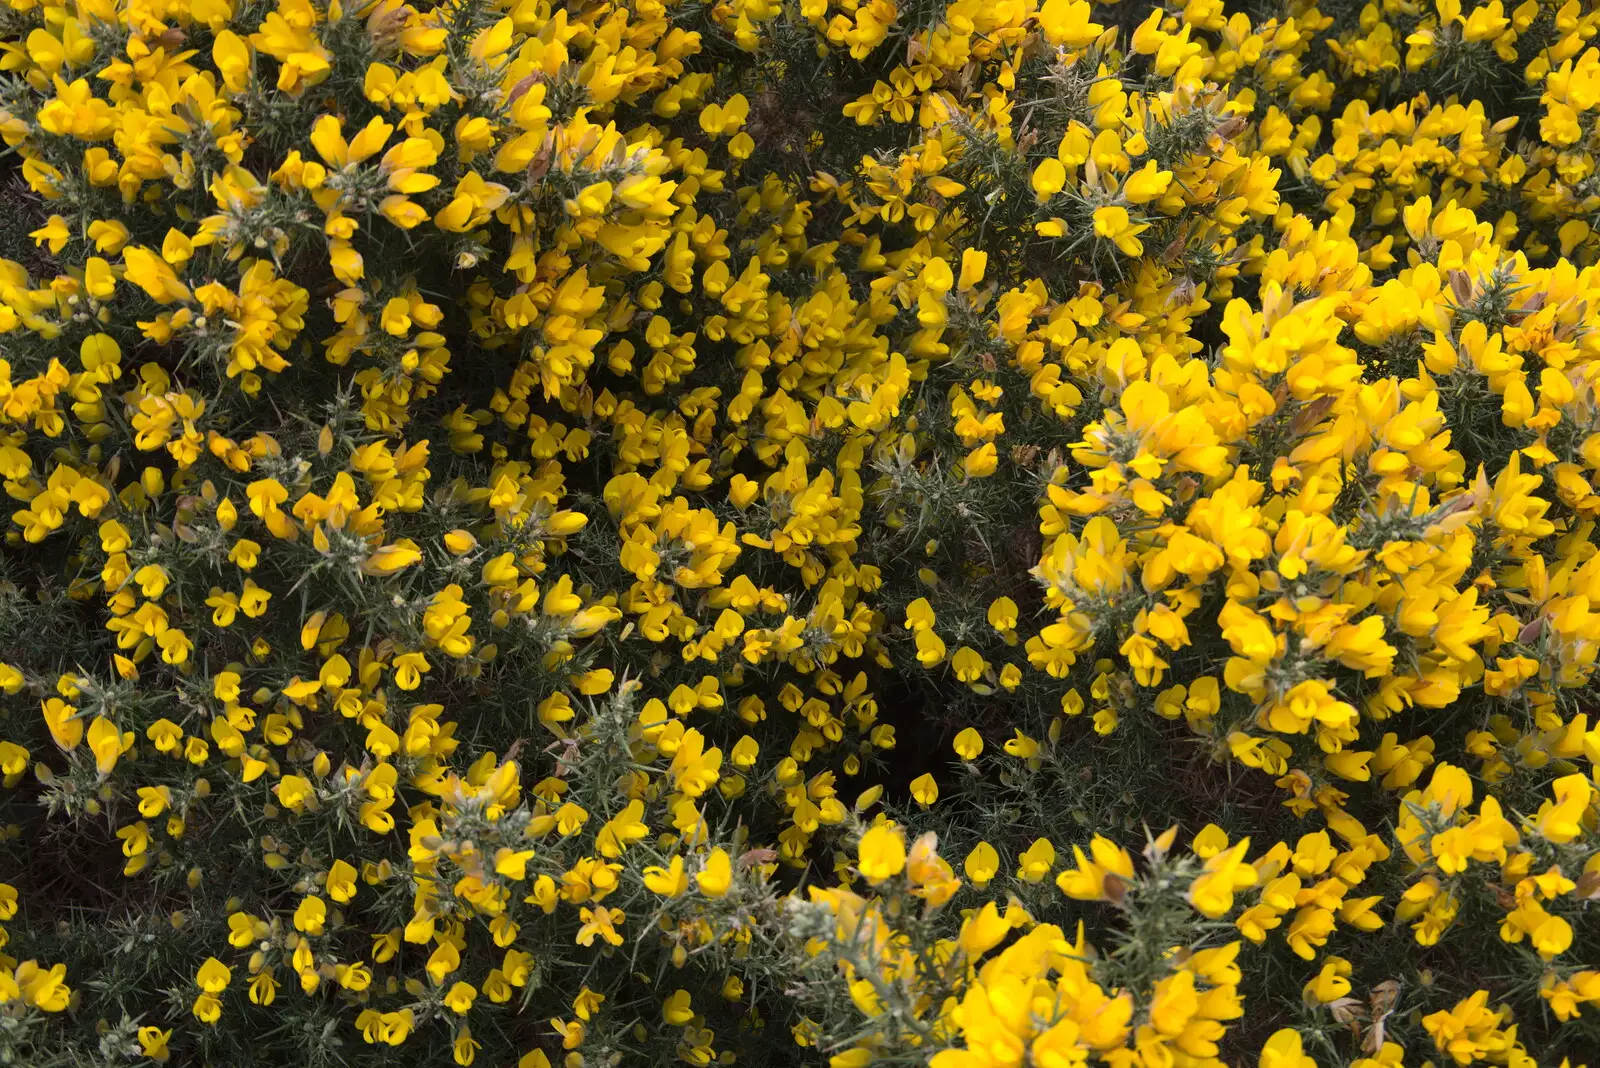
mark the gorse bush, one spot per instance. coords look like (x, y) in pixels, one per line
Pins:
(830, 532)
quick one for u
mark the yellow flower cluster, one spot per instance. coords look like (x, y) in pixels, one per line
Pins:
(515, 505)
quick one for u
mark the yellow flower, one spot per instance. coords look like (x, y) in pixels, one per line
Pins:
(1146, 184)
(1330, 984)
(459, 998)
(1092, 880)
(153, 1043)
(296, 792)
(389, 559)
(53, 234)
(1283, 1050)
(714, 879)
(670, 881)
(625, 827)
(445, 959)
(1048, 179)
(982, 864)
(311, 915)
(601, 922)
(465, 1048)
(1112, 222)
(974, 262)
(105, 741)
(150, 272)
(1066, 23)
(1225, 872)
(1036, 861)
(675, 1010)
(982, 461)
(881, 853)
(43, 988)
(213, 976)
(62, 720)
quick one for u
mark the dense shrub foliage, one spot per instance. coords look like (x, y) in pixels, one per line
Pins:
(831, 532)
